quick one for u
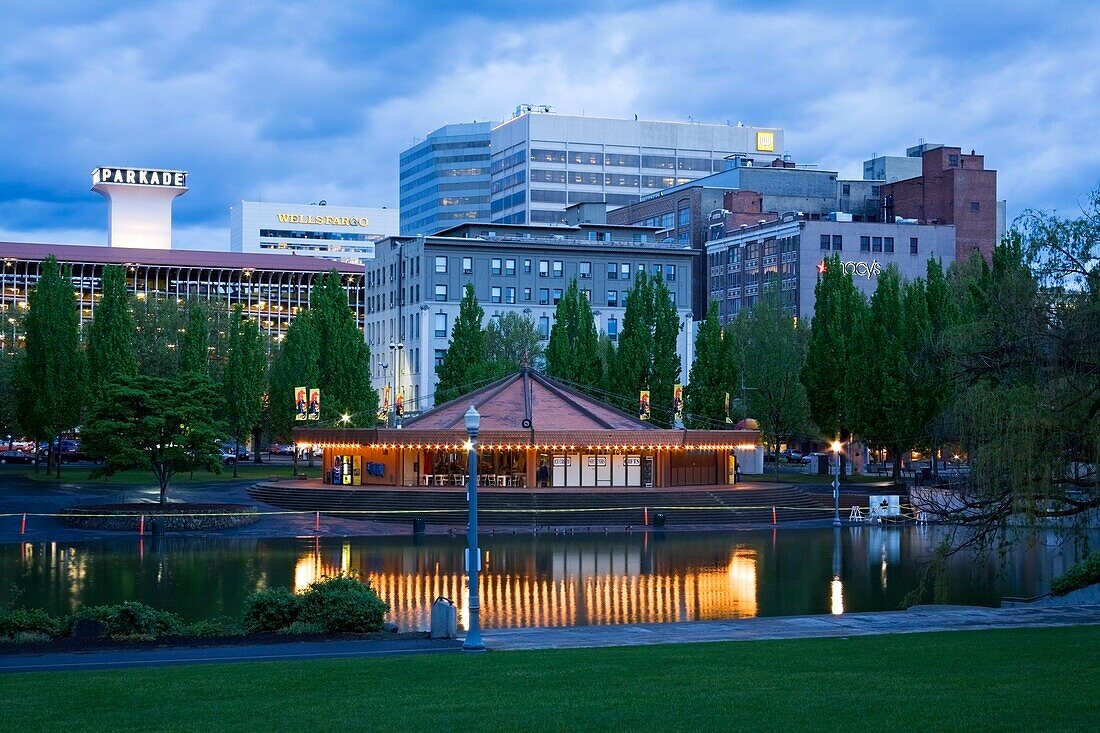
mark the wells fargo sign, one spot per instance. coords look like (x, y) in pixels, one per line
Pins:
(334, 221)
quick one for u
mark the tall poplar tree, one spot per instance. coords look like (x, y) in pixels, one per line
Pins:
(633, 362)
(828, 374)
(195, 348)
(665, 372)
(573, 352)
(294, 365)
(465, 356)
(344, 357)
(111, 336)
(53, 364)
(243, 379)
(713, 374)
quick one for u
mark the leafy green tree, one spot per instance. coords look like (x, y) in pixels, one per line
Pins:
(9, 412)
(511, 341)
(158, 325)
(713, 374)
(464, 360)
(572, 354)
(155, 424)
(244, 378)
(665, 370)
(294, 365)
(51, 380)
(633, 364)
(195, 348)
(110, 342)
(828, 374)
(770, 351)
(344, 357)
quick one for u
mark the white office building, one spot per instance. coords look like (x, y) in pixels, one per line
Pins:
(341, 233)
(543, 162)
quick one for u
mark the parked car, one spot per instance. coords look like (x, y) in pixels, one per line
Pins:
(281, 449)
(71, 452)
(15, 456)
(240, 451)
(227, 457)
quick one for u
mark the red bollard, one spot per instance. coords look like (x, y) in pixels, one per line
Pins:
(141, 526)
(773, 516)
(317, 522)
(23, 526)
(645, 517)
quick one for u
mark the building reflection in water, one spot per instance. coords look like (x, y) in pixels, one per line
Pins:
(582, 587)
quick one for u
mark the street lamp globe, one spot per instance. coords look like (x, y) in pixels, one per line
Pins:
(473, 420)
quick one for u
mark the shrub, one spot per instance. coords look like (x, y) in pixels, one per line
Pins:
(271, 609)
(133, 620)
(15, 621)
(343, 604)
(31, 637)
(300, 627)
(220, 626)
(1081, 575)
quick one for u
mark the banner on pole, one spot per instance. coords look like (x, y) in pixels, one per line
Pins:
(314, 410)
(643, 404)
(728, 420)
(399, 403)
(384, 406)
(299, 403)
(678, 403)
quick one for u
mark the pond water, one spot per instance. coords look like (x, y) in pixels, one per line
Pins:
(543, 580)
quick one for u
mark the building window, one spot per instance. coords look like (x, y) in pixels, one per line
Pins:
(613, 328)
(613, 298)
(847, 189)
(544, 327)
(838, 242)
(494, 294)
(441, 325)
(876, 190)
(876, 244)
(658, 271)
(440, 292)
(440, 264)
(558, 268)
(975, 206)
(557, 296)
(640, 267)
(509, 267)
(439, 354)
(913, 249)
(584, 270)
(544, 296)
(587, 295)
(624, 271)
(953, 160)
(544, 268)
(683, 217)
(510, 296)
(670, 273)
(527, 267)
(495, 265)
(888, 244)
(527, 294)
(612, 271)
(824, 241)
(864, 244)
(467, 265)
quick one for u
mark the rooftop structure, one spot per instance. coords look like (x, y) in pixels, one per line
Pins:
(339, 233)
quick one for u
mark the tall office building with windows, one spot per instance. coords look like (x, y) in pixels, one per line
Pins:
(543, 162)
(444, 179)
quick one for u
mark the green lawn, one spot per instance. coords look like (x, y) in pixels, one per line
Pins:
(805, 478)
(1028, 679)
(81, 474)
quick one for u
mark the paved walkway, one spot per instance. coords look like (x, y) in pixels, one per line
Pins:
(916, 620)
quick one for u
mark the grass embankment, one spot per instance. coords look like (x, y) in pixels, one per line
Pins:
(82, 474)
(812, 479)
(1027, 679)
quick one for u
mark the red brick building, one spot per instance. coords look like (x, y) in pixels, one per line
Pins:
(953, 188)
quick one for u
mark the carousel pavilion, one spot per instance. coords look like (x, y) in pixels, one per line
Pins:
(535, 433)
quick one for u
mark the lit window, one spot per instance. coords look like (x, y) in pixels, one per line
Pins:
(495, 265)
(440, 292)
(467, 266)
(441, 325)
(440, 264)
(494, 294)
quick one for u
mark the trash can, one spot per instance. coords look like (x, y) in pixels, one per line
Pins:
(444, 619)
(658, 520)
(419, 525)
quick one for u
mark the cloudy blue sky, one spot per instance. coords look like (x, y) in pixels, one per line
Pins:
(298, 101)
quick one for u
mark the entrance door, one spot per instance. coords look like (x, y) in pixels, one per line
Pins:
(603, 470)
(588, 470)
(633, 470)
(618, 470)
(573, 470)
(560, 465)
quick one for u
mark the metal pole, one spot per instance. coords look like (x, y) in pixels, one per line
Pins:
(836, 490)
(473, 642)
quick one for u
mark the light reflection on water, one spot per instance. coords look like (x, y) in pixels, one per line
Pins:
(536, 581)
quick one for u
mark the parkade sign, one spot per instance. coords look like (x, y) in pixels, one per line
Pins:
(139, 177)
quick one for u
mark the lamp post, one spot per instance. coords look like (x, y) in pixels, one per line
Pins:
(473, 641)
(836, 483)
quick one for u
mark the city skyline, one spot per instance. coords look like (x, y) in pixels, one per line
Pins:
(301, 102)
